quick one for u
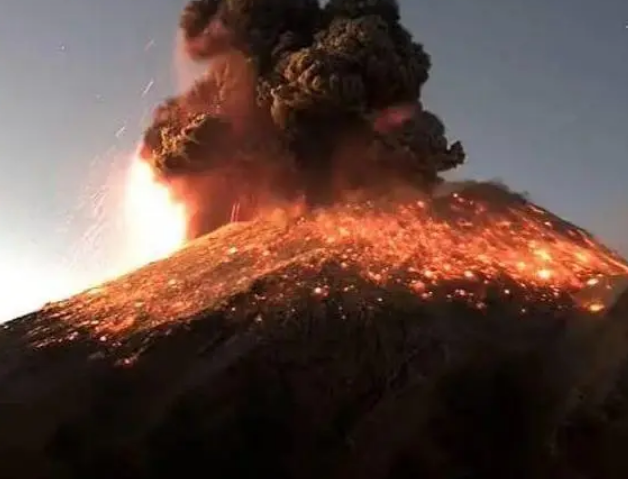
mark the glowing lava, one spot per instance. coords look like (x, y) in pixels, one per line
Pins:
(156, 222)
(471, 239)
(506, 254)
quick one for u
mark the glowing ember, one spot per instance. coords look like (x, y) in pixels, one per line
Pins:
(445, 250)
(469, 241)
(157, 223)
(596, 307)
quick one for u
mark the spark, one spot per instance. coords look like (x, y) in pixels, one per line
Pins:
(596, 307)
(148, 88)
(544, 274)
(120, 131)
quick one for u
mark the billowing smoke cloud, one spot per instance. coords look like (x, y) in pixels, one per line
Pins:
(298, 99)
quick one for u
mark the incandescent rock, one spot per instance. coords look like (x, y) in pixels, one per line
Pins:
(342, 344)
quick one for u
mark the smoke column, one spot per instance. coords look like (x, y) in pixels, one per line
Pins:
(297, 100)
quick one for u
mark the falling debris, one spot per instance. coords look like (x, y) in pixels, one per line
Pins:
(120, 132)
(148, 88)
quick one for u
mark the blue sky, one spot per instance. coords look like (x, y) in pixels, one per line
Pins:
(536, 89)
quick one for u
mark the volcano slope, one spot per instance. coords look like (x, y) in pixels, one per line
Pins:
(475, 335)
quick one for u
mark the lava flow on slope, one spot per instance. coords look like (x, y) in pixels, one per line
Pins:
(478, 244)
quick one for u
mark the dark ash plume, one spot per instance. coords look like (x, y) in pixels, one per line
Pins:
(290, 84)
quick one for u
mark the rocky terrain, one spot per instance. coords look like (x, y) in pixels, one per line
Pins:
(475, 336)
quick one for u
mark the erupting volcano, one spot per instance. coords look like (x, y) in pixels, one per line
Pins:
(328, 306)
(298, 100)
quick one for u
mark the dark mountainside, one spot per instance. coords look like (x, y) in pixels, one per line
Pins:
(276, 349)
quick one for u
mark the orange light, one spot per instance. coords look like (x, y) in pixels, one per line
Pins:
(596, 307)
(156, 221)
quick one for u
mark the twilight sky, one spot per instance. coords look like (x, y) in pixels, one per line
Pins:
(537, 90)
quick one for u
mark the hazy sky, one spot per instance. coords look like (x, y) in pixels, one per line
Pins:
(536, 90)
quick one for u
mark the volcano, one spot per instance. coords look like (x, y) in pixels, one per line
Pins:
(471, 335)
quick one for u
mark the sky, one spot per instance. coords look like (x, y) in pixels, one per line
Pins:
(535, 89)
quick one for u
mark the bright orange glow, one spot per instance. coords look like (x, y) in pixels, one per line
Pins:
(156, 222)
(457, 249)
(596, 307)
(476, 241)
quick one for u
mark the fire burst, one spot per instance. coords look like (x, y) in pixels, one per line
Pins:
(157, 223)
